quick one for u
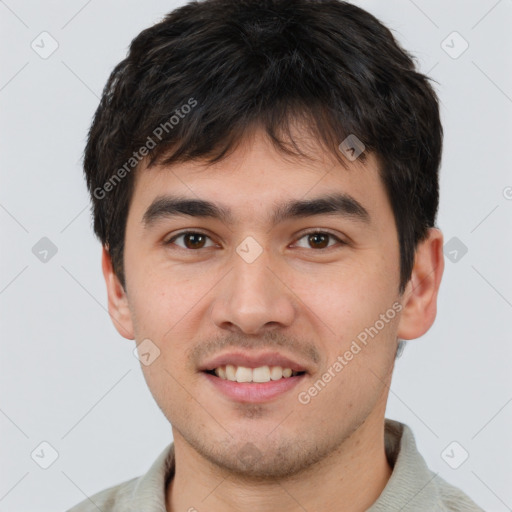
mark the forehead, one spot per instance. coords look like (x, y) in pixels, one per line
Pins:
(257, 182)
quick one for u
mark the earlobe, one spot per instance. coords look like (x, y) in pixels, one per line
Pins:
(117, 300)
(420, 297)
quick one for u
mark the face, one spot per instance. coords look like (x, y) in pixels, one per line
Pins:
(254, 283)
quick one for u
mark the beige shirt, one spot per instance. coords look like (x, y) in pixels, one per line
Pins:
(411, 488)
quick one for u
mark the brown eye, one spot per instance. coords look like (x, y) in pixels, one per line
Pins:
(191, 240)
(194, 240)
(320, 240)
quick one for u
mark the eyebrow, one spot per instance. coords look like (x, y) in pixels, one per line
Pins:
(341, 204)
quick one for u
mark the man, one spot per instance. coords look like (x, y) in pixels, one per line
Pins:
(264, 179)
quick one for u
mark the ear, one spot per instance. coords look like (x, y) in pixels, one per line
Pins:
(117, 300)
(419, 299)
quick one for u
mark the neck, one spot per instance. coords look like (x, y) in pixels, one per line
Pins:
(350, 479)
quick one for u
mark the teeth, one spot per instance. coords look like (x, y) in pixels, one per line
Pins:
(243, 374)
(276, 372)
(260, 374)
(230, 372)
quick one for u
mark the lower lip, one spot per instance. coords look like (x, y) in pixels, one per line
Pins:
(254, 392)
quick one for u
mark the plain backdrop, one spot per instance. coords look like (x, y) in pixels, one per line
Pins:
(68, 379)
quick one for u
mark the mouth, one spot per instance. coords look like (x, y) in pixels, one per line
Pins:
(260, 374)
(253, 385)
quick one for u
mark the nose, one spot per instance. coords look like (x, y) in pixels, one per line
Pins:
(254, 297)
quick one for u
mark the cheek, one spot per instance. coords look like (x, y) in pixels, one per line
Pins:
(356, 318)
(161, 296)
(169, 308)
(345, 298)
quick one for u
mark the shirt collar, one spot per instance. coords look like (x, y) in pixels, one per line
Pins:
(412, 486)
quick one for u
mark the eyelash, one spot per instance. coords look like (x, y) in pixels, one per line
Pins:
(313, 232)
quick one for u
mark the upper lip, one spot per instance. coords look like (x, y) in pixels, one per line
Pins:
(253, 361)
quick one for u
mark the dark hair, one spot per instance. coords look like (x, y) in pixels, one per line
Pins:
(194, 84)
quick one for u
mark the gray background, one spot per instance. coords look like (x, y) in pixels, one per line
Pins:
(68, 379)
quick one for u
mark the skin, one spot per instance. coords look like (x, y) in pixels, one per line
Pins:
(307, 302)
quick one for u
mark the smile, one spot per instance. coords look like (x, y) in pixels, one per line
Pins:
(241, 384)
(260, 374)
